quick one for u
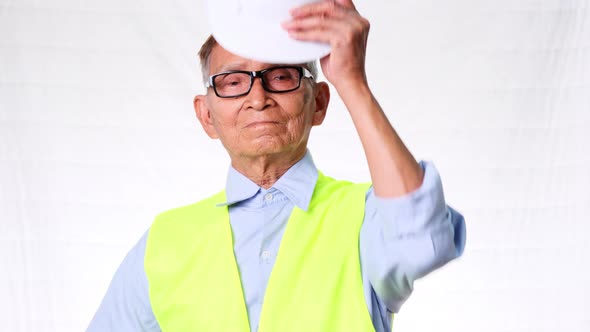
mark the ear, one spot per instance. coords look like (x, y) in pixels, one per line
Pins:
(204, 115)
(322, 99)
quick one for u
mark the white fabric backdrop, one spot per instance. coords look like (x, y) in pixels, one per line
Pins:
(97, 135)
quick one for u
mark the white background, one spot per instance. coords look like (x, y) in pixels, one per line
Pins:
(98, 134)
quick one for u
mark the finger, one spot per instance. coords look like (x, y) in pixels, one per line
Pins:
(309, 22)
(346, 3)
(328, 33)
(327, 8)
(320, 36)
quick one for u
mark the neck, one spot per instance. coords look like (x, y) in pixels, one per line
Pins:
(266, 170)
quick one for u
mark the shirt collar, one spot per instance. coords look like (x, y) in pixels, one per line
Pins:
(298, 184)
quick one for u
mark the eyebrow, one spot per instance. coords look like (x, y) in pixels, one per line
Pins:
(240, 66)
(231, 66)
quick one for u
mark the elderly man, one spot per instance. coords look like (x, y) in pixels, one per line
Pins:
(284, 247)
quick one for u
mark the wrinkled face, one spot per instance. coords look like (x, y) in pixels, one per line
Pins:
(261, 122)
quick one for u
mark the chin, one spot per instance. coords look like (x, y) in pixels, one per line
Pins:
(266, 148)
(263, 145)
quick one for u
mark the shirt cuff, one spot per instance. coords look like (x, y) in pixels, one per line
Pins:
(416, 211)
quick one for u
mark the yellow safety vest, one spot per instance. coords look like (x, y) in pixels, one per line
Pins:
(315, 285)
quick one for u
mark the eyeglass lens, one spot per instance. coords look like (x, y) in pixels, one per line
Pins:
(274, 80)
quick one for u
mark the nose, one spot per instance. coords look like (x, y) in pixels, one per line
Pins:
(258, 98)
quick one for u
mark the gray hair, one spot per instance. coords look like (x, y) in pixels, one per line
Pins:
(207, 47)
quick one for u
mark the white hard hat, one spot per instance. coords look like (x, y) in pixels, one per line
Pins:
(252, 29)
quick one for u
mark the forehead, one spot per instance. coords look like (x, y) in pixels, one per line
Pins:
(221, 59)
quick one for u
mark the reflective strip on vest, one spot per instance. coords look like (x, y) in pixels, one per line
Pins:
(315, 284)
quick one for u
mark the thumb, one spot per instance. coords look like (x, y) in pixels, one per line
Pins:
(345, 3)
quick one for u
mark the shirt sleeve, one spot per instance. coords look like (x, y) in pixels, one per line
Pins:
(126, 306)
(405, 238)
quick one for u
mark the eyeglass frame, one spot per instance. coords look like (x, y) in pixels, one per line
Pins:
(303, 73)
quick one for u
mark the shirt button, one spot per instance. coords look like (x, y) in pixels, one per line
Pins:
(266, 255)
(268, 197)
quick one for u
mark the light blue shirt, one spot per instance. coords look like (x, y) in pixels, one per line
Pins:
(401, 240)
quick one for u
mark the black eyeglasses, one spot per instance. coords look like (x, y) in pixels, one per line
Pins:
(236, 83)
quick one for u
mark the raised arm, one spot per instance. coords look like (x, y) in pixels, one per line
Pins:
(394, 171)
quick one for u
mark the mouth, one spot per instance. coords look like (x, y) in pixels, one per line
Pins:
(261, 124)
